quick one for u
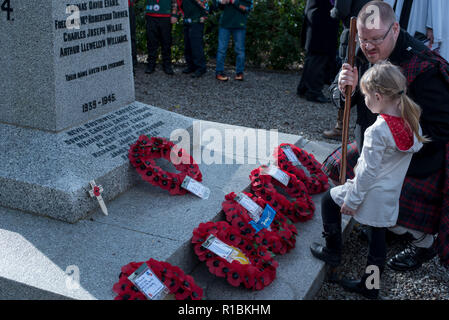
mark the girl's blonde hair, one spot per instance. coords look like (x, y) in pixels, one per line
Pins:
(387, 79)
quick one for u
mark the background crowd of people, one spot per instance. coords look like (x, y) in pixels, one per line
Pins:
(160, 15)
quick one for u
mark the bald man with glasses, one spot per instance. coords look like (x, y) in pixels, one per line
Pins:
(424, 203)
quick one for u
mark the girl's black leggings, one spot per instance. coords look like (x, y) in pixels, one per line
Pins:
(377, 251)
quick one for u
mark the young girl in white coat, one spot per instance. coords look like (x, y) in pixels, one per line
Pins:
(372, 197)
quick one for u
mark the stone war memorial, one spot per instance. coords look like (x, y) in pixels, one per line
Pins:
(75, 202)
(68, 112)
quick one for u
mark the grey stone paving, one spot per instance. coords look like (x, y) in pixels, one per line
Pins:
(144, 222)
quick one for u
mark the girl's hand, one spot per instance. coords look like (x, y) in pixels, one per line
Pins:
(346, 210)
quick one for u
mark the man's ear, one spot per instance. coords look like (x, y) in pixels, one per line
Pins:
(396, 29)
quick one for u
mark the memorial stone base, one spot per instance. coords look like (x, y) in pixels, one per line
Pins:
(48, 174)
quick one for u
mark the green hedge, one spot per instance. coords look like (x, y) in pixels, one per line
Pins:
(272, 38)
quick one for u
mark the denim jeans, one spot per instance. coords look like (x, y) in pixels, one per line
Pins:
(239, 46)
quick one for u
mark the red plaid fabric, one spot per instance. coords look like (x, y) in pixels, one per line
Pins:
(423, 62)
(420, 203)
(424, 203)
(331, 166)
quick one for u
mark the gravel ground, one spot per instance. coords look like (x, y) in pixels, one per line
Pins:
(430, 282)
(265, 100)
(268, 100)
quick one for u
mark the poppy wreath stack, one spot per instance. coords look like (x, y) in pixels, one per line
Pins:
(263, 185)
(316, 182)
(256, 275)
(279, 240)
(143, 153)
(178, 283)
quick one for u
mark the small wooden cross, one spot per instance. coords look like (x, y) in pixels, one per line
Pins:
(96, 192)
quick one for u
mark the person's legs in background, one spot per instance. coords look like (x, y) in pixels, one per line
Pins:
(313, 78)
(239, 47)
(223, 40)
(336, 131)
(152, 43)
(197, 48)
(188, 50)
(166, 42)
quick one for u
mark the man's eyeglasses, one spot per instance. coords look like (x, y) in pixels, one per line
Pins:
(375, 42)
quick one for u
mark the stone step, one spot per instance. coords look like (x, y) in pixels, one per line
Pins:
(146, 222)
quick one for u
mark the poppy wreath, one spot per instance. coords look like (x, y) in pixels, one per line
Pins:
(143, 153)
(300, 210)
(178, 283)
(317, 182)
(280, 240)
(256, 275)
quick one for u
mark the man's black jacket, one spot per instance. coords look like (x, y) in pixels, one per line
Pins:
(430, 90)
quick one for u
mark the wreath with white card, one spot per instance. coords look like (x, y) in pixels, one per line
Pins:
(303, 165)
(161, 278)
(246, 212)
(230, 255)
(143, 153)
(263, 182)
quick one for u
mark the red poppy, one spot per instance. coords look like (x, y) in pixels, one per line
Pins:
(234, 278)
(216, 266)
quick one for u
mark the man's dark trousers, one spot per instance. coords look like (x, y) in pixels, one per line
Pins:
(159, 31)
(193, 46)
(314, 74)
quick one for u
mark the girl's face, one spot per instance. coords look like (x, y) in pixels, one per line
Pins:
(373, 101)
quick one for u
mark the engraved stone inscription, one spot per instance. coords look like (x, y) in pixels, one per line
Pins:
(112, 134)
(98, 31)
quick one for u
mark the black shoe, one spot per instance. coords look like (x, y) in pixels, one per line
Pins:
(331, 257)
(150, 68)
(319, 98)
(359, 286)
(411, 258)
(188, 70)
(198, 73)
(169, 70)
